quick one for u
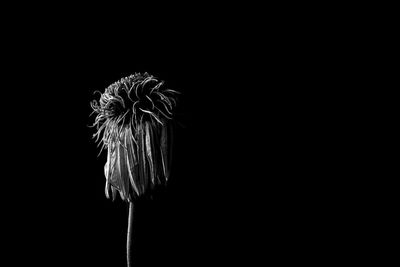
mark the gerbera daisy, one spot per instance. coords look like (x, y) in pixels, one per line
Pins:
(133, 126)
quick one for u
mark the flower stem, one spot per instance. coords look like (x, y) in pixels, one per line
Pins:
(129, 235)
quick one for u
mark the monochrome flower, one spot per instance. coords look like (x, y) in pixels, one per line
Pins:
(133, 125)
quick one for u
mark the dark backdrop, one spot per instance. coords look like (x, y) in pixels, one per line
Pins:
(196, 219)
(239, 188)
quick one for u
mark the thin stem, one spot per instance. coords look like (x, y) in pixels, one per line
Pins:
(129, 235)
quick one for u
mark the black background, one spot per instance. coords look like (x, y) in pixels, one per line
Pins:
(200, 217)
(240, 183)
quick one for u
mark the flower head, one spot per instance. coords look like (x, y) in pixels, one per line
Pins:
(132, 123)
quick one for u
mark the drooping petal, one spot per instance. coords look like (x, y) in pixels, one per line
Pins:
(141, 157)
(123, 166)
(115, 177)
(114, 192)
(155, 134)
(106, 171)
(149, 152)
(109, 167)
(164, 151)
(131, 160)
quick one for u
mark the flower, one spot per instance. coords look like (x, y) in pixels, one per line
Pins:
(132, 123)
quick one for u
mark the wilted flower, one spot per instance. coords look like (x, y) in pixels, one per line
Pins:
(132, 124)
